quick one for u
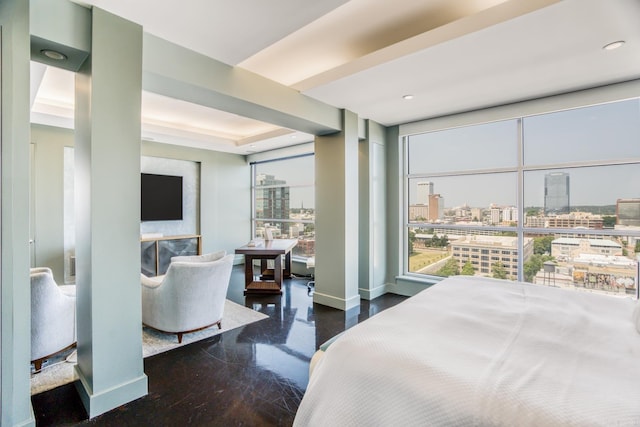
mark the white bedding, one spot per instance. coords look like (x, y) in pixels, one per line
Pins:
(475, 351)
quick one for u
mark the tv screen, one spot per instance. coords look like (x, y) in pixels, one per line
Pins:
(161, 197)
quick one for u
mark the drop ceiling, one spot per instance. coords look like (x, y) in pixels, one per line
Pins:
(364, 55)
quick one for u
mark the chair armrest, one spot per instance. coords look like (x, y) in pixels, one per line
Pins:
(151, 282)
(40, 270)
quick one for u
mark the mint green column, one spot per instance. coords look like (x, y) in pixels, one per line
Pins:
(373, 216)
(107, 163)
(394, 197)
(336, 270)
(15, 335)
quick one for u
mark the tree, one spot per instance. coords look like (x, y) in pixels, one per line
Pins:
(412, 239)
(608, 221)
(498, 270)
(532, 211)
(637, 248)
(450, 268)
(467, 269)
(533, 265)
(542, 245)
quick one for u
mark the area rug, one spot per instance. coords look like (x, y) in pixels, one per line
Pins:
(59, 369)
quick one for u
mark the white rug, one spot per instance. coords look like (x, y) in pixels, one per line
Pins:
(59, 369)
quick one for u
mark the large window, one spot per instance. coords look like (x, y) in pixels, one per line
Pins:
(551, 199)
(284, 201)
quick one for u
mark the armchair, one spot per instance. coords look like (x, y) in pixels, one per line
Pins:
(53, 316)
(189, 297)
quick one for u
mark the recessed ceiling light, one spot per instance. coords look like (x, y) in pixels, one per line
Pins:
(407, 97)
(613, 45)
(53, 54)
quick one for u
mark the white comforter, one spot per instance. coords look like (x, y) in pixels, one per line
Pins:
(473, 351)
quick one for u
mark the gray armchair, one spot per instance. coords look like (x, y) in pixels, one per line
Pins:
(53, 316)
(189, 297)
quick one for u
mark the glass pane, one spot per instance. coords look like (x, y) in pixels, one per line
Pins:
(304, 232)
(486, 146)
(604, 263)
(597, 133)
(488, 199)
(446, 253)
(292, 172)
(582, 197)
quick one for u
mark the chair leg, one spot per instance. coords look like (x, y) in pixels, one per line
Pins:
(179, 334)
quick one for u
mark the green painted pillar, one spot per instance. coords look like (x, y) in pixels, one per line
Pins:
(107, 162)
(15, 292)
(336, 267)
(373, 244)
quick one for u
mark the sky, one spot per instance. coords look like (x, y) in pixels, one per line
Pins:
(609, 132)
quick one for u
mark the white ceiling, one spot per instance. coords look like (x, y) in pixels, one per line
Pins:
(364, 55)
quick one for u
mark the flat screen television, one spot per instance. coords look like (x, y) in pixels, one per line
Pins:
(161, 197)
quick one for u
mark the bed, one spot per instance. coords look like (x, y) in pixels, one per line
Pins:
(483, 352)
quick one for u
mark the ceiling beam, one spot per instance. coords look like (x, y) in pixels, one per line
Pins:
(173, 71)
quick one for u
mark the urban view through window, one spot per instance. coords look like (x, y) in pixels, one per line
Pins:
(284, 202)
(579, 226)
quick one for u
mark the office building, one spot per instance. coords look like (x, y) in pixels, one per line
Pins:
(484, 251)
(556, 193)
(423, 191)
(571, 247)
(272, 201)
(628, 212)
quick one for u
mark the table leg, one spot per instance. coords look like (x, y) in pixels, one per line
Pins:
(277, 271)
(287, 265)
(248, 270)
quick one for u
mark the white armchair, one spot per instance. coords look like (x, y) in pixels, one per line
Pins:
(189, 297)
(53, 316)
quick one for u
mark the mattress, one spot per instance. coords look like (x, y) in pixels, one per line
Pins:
(479, 351)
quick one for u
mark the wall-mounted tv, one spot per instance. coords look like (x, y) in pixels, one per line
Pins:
(161, 197)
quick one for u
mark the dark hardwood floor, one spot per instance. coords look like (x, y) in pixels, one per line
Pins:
(254, 375)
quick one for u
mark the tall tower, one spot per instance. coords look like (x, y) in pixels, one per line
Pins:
(556, 193)
(272, 200)
(628, 212)
(424, 190)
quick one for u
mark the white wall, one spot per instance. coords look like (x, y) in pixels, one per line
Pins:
(224, 186)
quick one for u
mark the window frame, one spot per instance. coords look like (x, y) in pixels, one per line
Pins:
(497, 114)
(255, 219)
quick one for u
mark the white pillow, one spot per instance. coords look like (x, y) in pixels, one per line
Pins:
(636, 317)
(214, 256)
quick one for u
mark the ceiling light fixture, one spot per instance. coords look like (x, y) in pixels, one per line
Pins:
(613, 45)
(407, 97)
(53, 54)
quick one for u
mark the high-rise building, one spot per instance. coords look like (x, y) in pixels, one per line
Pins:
(424, 190)
(628, 212)
(556, 193)
(436, 207)
(485, 251)
(272, 200)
